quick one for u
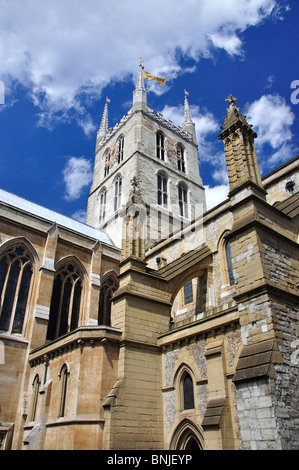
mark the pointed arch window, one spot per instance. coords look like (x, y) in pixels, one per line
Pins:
(120, 153)
(162, 189)
(65, 302)
(188, 391)
(108, 288)
(63, 376)
(103, 201)
(15, 282)
(183, 200)
(180, 158)
(160, 149)
(117, 192)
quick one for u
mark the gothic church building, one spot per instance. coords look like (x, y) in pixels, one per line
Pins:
(158, 324)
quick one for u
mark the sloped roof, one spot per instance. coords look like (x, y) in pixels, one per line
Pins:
(48, 215)
(181, 264)
(289, 206)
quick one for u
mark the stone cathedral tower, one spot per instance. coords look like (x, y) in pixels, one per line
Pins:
(146, 153)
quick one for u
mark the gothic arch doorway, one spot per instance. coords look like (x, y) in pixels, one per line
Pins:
(187, 436)
(192, 444)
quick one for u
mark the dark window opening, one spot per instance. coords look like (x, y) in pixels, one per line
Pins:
(106, 294)
(117, 193)
(188, 393)
(120, 154)
(188, 292)
(160, 145)
(183, 202)
(162, 189)
(65, 303)
(180, 158)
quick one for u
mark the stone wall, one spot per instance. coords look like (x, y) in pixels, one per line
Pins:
(257, 416)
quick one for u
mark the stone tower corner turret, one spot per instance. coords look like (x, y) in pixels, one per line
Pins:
(241, 160)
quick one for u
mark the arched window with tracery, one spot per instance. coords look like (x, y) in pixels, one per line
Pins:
(15, 281)
(108, 288)
(65, 302)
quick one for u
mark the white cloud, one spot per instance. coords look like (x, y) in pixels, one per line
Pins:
(270, 81)
(87, 125)
(60, 49)
(231, 43)
(80, 215)
(205, 122)
(77, 175)
(216, 194)
(272, 120)
(207, 128)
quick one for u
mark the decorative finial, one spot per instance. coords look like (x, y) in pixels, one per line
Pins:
(134, 183)
(231, 100)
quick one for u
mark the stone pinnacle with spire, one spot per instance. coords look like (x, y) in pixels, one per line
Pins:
(234, 119)
(140, 93)
(103, 130)
(238, 138)
(188, 125)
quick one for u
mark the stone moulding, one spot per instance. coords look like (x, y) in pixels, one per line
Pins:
(81, 337)
(256, 361)
(112, 395)
(213, 412)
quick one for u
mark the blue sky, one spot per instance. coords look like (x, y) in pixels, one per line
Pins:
(60, 60)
